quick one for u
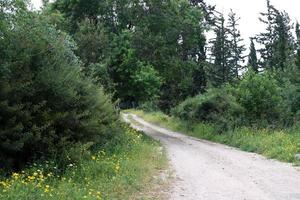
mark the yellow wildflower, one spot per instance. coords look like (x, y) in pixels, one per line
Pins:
(16, 176)
(31, 178)
(47, 189)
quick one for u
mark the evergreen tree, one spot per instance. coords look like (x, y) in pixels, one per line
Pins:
(252, 58)
(220, 53)
(47, 105)
(236, 58)
(227, 51)
(267, 38)
(284, 44)
(277, 41)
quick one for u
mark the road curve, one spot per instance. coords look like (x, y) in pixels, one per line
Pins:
(210, 171)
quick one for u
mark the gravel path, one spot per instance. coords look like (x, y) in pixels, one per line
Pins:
(210, 171)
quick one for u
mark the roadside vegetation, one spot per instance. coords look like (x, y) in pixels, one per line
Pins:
(279, 144)
(259, 114)
(61, 136)
(122, 170)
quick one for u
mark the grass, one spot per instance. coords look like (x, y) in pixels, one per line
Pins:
(123, 173)
(282, 145)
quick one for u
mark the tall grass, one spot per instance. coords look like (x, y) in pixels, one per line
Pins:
(107, 174)
(282, 145)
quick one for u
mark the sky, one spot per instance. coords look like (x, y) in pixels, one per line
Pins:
(248, 10)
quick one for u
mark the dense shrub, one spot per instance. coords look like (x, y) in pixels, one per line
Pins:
(46, 104)
(261, 97)
(215, 106)
(257, 101)
(291, 94)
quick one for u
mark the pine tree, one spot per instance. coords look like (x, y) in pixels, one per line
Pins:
(236, 47)
(227, 51)
(220, 72)
(277, 41)
(267, 38)
(252, 59)
(284, 44)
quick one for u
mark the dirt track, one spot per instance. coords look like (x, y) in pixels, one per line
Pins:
(209, 171)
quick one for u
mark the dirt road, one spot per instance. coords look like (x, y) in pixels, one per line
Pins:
(209, 171)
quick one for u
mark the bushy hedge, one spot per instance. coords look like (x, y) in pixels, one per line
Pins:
(215, 106)
(257, 101)
(46, 105)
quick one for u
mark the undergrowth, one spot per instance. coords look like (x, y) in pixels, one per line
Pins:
(118, 172)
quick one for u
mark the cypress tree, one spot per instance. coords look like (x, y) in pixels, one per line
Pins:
(235, 46)
(252, 59)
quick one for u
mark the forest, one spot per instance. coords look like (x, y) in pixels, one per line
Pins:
(69, 69)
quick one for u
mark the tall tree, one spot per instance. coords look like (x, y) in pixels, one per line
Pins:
(277, 41)
(167, 35)
(267, 38)
(284, 43)
(236, 58)
(220, 53)
(252, 58)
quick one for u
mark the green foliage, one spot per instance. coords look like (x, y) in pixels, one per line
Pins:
(120, 171)
(92, 42)
(261, 97)
(215, 106)
(150, 54)
(297, 30)
(147, 82)
(277, 41)
(252, 59)
(145, 41)
(290, 85)
(46, 103)
(257, 101)
(227, 51)
(237, 49)
(135, 80)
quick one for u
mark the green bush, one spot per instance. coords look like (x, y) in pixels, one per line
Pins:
(257, 101)
(261, 97)
(291, 103)
(135, 81)
(46, 104)
(215, 106)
